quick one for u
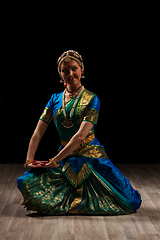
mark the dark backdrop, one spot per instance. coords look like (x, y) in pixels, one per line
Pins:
(119, 42)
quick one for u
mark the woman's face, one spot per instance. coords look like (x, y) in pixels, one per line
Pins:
(71, 72)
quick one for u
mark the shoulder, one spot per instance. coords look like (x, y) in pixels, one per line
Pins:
(92, 95)
(94, 100)
(56, 96)
(89, 92)
(55, 99)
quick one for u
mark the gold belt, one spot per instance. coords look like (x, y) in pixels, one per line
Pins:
(87, 140)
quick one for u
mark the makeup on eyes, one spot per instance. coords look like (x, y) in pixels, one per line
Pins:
(74, 68)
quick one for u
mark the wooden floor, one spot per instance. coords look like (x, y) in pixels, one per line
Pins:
(18, 224)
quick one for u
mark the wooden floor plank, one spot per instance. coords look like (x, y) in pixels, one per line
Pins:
(19, 224)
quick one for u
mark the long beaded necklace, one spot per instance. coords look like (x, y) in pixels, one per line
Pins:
(67, 123)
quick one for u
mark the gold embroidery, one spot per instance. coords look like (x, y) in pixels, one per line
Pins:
(46, 115)
(88, 150)
(74, 207)
(51, 193)
(83, 103)
(91, 115)
(87, 140)
(76, 179)
(92, 151)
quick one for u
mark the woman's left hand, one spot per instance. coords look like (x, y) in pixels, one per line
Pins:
(48, 165)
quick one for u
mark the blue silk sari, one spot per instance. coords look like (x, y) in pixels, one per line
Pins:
(86, 182)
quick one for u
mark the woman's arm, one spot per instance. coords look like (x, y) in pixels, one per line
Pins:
(35, 139)
(74, 142)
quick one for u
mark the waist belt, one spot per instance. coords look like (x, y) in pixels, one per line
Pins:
(87, 140)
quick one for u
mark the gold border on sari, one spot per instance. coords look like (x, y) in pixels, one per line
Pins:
(83, 103)
(87, 140)
(88, 150)
(91, 151)
(91, 115)
(76, 179)
(75, 205)
(46, 115)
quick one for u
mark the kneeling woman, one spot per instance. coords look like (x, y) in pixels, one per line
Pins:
(80, 179)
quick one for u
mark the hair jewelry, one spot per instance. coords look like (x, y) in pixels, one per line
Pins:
(67, 56)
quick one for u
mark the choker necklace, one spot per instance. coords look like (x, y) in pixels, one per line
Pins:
(72, 93)
(67, 123)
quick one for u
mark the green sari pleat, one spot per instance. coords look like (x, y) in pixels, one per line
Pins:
(52, 192)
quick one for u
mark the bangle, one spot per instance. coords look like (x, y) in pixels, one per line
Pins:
(54, 163)
(27, 162)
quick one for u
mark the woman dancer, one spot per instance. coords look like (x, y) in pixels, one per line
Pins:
(80, 179)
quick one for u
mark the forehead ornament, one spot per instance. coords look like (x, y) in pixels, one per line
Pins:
(67, 59)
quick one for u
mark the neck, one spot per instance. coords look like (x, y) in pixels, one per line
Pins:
(72, 88)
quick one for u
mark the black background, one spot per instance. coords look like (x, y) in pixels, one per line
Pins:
(119, 43)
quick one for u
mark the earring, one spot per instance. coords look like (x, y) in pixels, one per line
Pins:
(64, 84)
(82, 76)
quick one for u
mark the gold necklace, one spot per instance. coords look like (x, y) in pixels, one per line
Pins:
(72, 93)
(67, 123)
